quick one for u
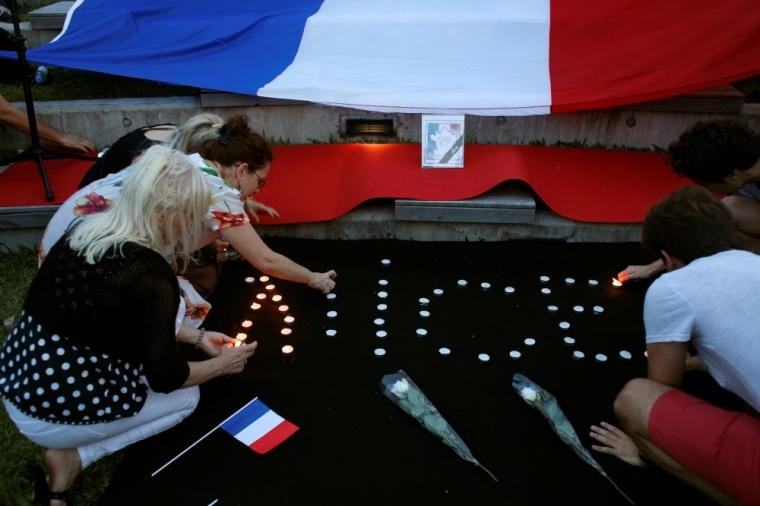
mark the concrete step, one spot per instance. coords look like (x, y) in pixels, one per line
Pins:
(50, 17)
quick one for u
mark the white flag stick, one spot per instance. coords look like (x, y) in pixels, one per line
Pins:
(215, 500)
(201, 439)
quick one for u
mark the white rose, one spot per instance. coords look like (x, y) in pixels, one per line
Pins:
(400, 388)
(529, 394)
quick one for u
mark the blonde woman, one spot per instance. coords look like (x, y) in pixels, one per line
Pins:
(72, 379)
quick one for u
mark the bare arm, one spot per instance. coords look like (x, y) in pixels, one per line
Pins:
(639, 272)
(667, 363)
(247, 242)
(18, 120)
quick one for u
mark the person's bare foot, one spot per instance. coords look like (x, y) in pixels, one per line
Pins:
(63, 466)
(617, 443)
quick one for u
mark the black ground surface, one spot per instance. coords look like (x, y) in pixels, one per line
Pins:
(356, 447)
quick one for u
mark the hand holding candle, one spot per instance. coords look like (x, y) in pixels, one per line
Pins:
(213, 341)
(231, 359)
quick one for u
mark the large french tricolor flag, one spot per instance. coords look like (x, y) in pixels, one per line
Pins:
(258, 427)
(484, 57)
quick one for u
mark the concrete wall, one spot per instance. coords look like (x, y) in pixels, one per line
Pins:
(104, 121)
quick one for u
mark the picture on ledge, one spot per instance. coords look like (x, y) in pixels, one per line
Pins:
(442, 141)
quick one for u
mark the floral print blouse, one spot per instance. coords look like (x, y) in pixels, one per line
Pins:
(226, 208)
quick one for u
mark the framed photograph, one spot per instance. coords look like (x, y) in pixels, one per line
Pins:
(442, 141)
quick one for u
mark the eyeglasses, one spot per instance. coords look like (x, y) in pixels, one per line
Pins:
(262, 180)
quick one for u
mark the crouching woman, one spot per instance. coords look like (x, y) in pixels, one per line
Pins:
(92, 365)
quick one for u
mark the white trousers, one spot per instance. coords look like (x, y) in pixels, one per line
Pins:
(160, 412)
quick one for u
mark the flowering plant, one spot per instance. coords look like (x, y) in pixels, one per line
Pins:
(400, 389)
(547, 405)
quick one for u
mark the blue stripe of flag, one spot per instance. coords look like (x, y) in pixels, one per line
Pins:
(250, 414)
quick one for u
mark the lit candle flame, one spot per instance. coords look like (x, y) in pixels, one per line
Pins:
(285, 332)
(283, 308)
(241, 337)
(269, 287)
(264, 279)
(287, 349)
(289, 319)
(255, 306)
(247, 324)
(238, 344)
(276, 298)
(261, 296)
(615, 282)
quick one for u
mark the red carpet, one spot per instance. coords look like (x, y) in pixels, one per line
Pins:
(321, 182)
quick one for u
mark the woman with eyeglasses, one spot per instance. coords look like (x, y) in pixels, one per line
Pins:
(235, 161)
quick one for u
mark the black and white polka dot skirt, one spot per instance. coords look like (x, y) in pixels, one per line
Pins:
(48, 377)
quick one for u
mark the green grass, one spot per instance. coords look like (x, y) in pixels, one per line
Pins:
(80, 85)
(17, 269)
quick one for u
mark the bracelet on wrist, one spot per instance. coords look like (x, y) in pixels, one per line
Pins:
(200, 338)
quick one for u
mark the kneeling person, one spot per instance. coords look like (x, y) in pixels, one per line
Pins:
(708, 298)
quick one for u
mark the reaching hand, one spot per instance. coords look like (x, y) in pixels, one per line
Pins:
(323, 281)
(255, 208)
(617, 443)
(639, 272)
(75, 142)
(232, 360)
(213, 341)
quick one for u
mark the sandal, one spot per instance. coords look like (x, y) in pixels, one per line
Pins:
(35, 475)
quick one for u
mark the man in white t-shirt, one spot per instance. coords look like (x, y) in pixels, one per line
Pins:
(708, 299)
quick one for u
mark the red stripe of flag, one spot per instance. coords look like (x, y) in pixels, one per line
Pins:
(273, 437)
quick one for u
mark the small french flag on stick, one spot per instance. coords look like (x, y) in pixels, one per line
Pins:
(258, 427)
(255, 425)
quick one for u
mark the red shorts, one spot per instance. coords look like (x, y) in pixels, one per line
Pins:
(722, 447)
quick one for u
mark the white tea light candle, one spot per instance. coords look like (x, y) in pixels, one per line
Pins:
(462, 282)
(553, 309)
(509, 289)
(250, 280)
(379, 321)
(264, 279)
(255, 306)
(445, 352)
(569, 341)
(379, 353)
(382, 295)
(269, 288)
(544, 279)
(515, 355)
(569, 281)
(385, 261)
(261, 296)
(241, 337)
(381, 334)
(287, 350)
(382, 307)
(282, 308)
(424, 301)
(530, 341)
(421, 332)
(276, 298)
(425, 314)
(601, 358)
(383, 282)
(332, 314)
(331, 332)
(483, 357)
(598, 309)
(592, 282)
(625, 355)
(546, 291)
(564, 325)
(578, 309)
(438, 291)
(246, 324)
(331, 296)
(577, 355)
(289, 320)
(286, 332)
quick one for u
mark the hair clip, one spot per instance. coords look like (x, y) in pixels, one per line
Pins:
(224, 134)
